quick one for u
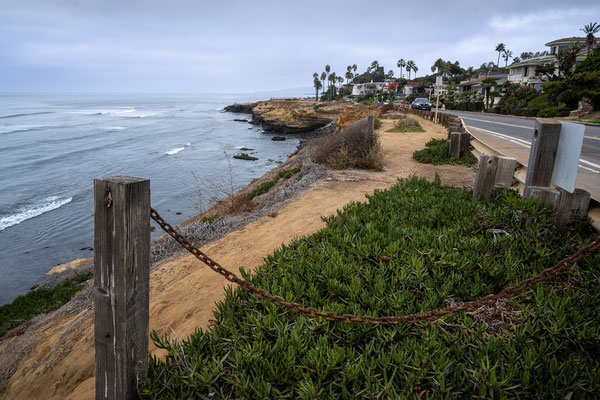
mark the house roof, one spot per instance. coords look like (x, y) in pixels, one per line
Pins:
(573, 39)
(551, 59)
(414, 83)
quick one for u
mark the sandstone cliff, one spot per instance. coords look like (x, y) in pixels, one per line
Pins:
(297, 116)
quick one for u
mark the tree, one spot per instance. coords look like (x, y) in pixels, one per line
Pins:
(327, 70)
(317, 85)
(500, 48)
(566, 59)
(507, 54)
(590, 30)
(487, 84)
(348, 76)
(323, 77)
(410, 65)
(354, 68)
(517, 59)
(401, 64)
(443, 67)
(415, 69)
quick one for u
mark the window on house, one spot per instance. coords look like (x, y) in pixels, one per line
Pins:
(526, 71)
(553, 50)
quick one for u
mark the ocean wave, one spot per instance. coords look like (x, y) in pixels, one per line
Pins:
(116, 128)
(25, 114)
(21, 128)
(49, 204)
(174, 151)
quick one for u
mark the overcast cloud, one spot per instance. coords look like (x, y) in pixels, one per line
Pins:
(245, 46)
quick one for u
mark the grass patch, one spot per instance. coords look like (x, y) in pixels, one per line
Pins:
(39, 301)
(409, 249)
(266, 186)
(436, 152)
(245, 156)
(406, 125)
(593, 121)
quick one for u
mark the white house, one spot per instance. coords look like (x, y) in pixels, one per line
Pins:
(525, 72)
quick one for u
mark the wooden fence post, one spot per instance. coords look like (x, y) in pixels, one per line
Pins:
(542, 154)
(486, 176)
(121, 284)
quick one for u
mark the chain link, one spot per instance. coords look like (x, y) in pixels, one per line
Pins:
(469, 306)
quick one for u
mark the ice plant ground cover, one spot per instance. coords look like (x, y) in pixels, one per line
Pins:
(436, 152)
(415, 247)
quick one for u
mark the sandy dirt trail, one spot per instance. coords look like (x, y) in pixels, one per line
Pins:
(184, 291)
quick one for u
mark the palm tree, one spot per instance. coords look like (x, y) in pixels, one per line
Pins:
(348, 77)
(500, 49)
(487, 84)
(401, 64)
(317, 85)
(323, 77)
(354, 68)
(507, 54)
(327, 70)
(415, 69)
(590, 30)
(442, 66)
(410, 66)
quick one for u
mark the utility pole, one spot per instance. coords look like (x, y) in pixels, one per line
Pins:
(438, 81)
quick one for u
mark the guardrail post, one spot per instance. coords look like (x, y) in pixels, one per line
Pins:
(542, 154)
(121, 284)
(486, 176)
(459, 143)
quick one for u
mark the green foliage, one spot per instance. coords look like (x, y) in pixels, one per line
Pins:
(408, 249)
(465, 105)
(548, 112)
(245, 156)
(377, 123)
(266, 186)
(540, 101)
(39, 301)
(437, 152)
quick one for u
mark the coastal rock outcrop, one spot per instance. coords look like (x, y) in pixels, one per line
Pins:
(298, 116)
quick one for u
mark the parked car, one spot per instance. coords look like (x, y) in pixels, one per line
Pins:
(421, 104)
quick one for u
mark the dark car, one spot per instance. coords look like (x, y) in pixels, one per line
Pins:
(421, 104)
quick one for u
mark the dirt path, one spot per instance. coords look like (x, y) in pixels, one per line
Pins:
(183, 291)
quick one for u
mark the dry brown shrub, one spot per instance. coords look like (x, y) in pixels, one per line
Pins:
(355, 146)
(406, 122)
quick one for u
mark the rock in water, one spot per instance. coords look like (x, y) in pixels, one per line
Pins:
(278, 138)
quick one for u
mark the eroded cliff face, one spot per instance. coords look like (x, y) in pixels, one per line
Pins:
(297, 116)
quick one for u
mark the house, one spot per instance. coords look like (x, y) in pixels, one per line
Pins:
(390, 87)
(413, 87)
(525, 72)
(360, 89)
(475, 86)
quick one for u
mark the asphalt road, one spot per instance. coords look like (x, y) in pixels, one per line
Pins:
(521, 131)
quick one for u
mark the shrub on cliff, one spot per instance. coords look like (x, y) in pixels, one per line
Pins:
(355, 146)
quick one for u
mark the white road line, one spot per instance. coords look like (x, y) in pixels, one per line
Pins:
(527, 144)
(498, 123)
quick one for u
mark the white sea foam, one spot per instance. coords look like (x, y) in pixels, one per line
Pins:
(188, 144)
(174, 151)
(49, 204)
(116, 128)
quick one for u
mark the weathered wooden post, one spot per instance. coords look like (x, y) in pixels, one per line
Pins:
(459, 143)
(486, 176)
(121, 284)
(542, 154)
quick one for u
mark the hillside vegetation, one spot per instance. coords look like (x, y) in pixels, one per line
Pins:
(416, 247)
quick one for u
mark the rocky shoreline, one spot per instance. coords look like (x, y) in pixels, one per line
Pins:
(300, 116)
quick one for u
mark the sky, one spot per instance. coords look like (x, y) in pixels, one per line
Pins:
(199, 46)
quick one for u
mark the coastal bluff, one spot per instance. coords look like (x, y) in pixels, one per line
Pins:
(298, 116)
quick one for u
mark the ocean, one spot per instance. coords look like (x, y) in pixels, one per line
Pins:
(53, 146)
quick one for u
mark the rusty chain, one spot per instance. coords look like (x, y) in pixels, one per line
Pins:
(469, 306)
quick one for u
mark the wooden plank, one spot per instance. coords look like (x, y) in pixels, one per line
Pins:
(121, 284)
(542, 153)
(546, 194)
(454, 147)
(505, 172)
(569, 203)
(486, 176)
